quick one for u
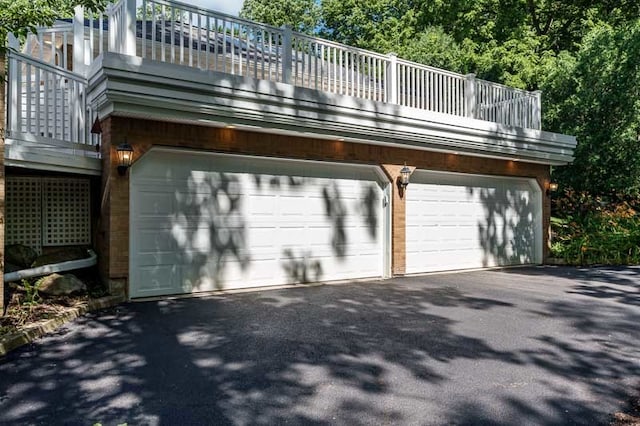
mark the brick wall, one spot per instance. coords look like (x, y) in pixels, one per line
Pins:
(143, 134)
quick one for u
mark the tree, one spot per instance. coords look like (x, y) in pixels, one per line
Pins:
(435, 47)
(19, 17)
(380, 25)
(302, 15)
(596, 97)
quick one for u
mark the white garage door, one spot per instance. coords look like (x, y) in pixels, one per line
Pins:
(461, 221)
(202, 221)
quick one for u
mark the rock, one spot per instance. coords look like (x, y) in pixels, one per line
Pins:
(19, 255)
(59, 285)
(62, 255)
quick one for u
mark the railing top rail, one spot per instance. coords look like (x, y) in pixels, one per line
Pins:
(190, 8)
(430, 68)
(52, 68)
(307, 37)
(57, 26)
(505, 87)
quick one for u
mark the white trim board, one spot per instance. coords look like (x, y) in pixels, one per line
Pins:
(136, 87)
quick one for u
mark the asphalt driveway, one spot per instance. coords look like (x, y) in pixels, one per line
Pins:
(518, 346)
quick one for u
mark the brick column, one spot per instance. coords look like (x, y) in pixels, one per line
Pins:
(543, 182)
(398, 219)
(113, 236)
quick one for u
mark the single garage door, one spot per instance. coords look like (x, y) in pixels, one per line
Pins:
(202, 221)
(461, 221)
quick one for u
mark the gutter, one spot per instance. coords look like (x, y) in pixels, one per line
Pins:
(53, 267)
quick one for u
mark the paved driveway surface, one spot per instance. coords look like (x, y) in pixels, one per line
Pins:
(519, 346)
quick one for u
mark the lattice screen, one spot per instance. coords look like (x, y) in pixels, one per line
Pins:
(47, 211)
(23, 203)
(66, 218)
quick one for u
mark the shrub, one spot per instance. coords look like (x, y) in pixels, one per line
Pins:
(588, 230)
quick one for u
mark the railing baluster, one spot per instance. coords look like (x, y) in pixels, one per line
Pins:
(198, 45)
(215, 44)
(190, 39)
(143, 23)
(208, 42)
(153, 31)
(181, 38)
(54, 103)
(174, 31)
(163, 38)
(233, 50)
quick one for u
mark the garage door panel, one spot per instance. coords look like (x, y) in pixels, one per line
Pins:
(232, 229)
(156, 280)
(457, 221)
(155, 241)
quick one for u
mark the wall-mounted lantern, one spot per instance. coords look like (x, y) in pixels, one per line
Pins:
(403, 179)
(553, 187)
(125, 157)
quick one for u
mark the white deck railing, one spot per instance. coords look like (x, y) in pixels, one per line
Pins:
(48, 106)
(178, 33)
(502, 104)
(336, 68)
(175, 32)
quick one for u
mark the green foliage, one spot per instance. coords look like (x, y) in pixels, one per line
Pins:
(591, 230)
(380, 25)
(596, 97)
(436, 48)
(21, 16)
(302, 15)
(31, 296)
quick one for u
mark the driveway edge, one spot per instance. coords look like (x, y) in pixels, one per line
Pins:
(28, 335)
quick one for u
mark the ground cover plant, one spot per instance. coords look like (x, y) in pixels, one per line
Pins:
(595, 230)
(27, 307)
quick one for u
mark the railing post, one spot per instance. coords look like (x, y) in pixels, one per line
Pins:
(14, 43)
(13, 98)
(129, 37)
(392, 79)
(470, 95)
(537, 110)
(287, 53)
(78, 41)
(111, 35)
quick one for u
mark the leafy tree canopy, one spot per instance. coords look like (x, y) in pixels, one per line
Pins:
(301, 15)
(22, 16)
(595, 96)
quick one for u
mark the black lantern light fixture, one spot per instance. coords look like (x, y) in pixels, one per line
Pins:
(403, 179)
(125, 157)
(553, 187)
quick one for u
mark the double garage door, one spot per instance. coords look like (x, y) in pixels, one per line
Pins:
(461, 221)
(203, 221)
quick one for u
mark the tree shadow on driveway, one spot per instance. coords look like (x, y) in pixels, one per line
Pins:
(396, 352)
